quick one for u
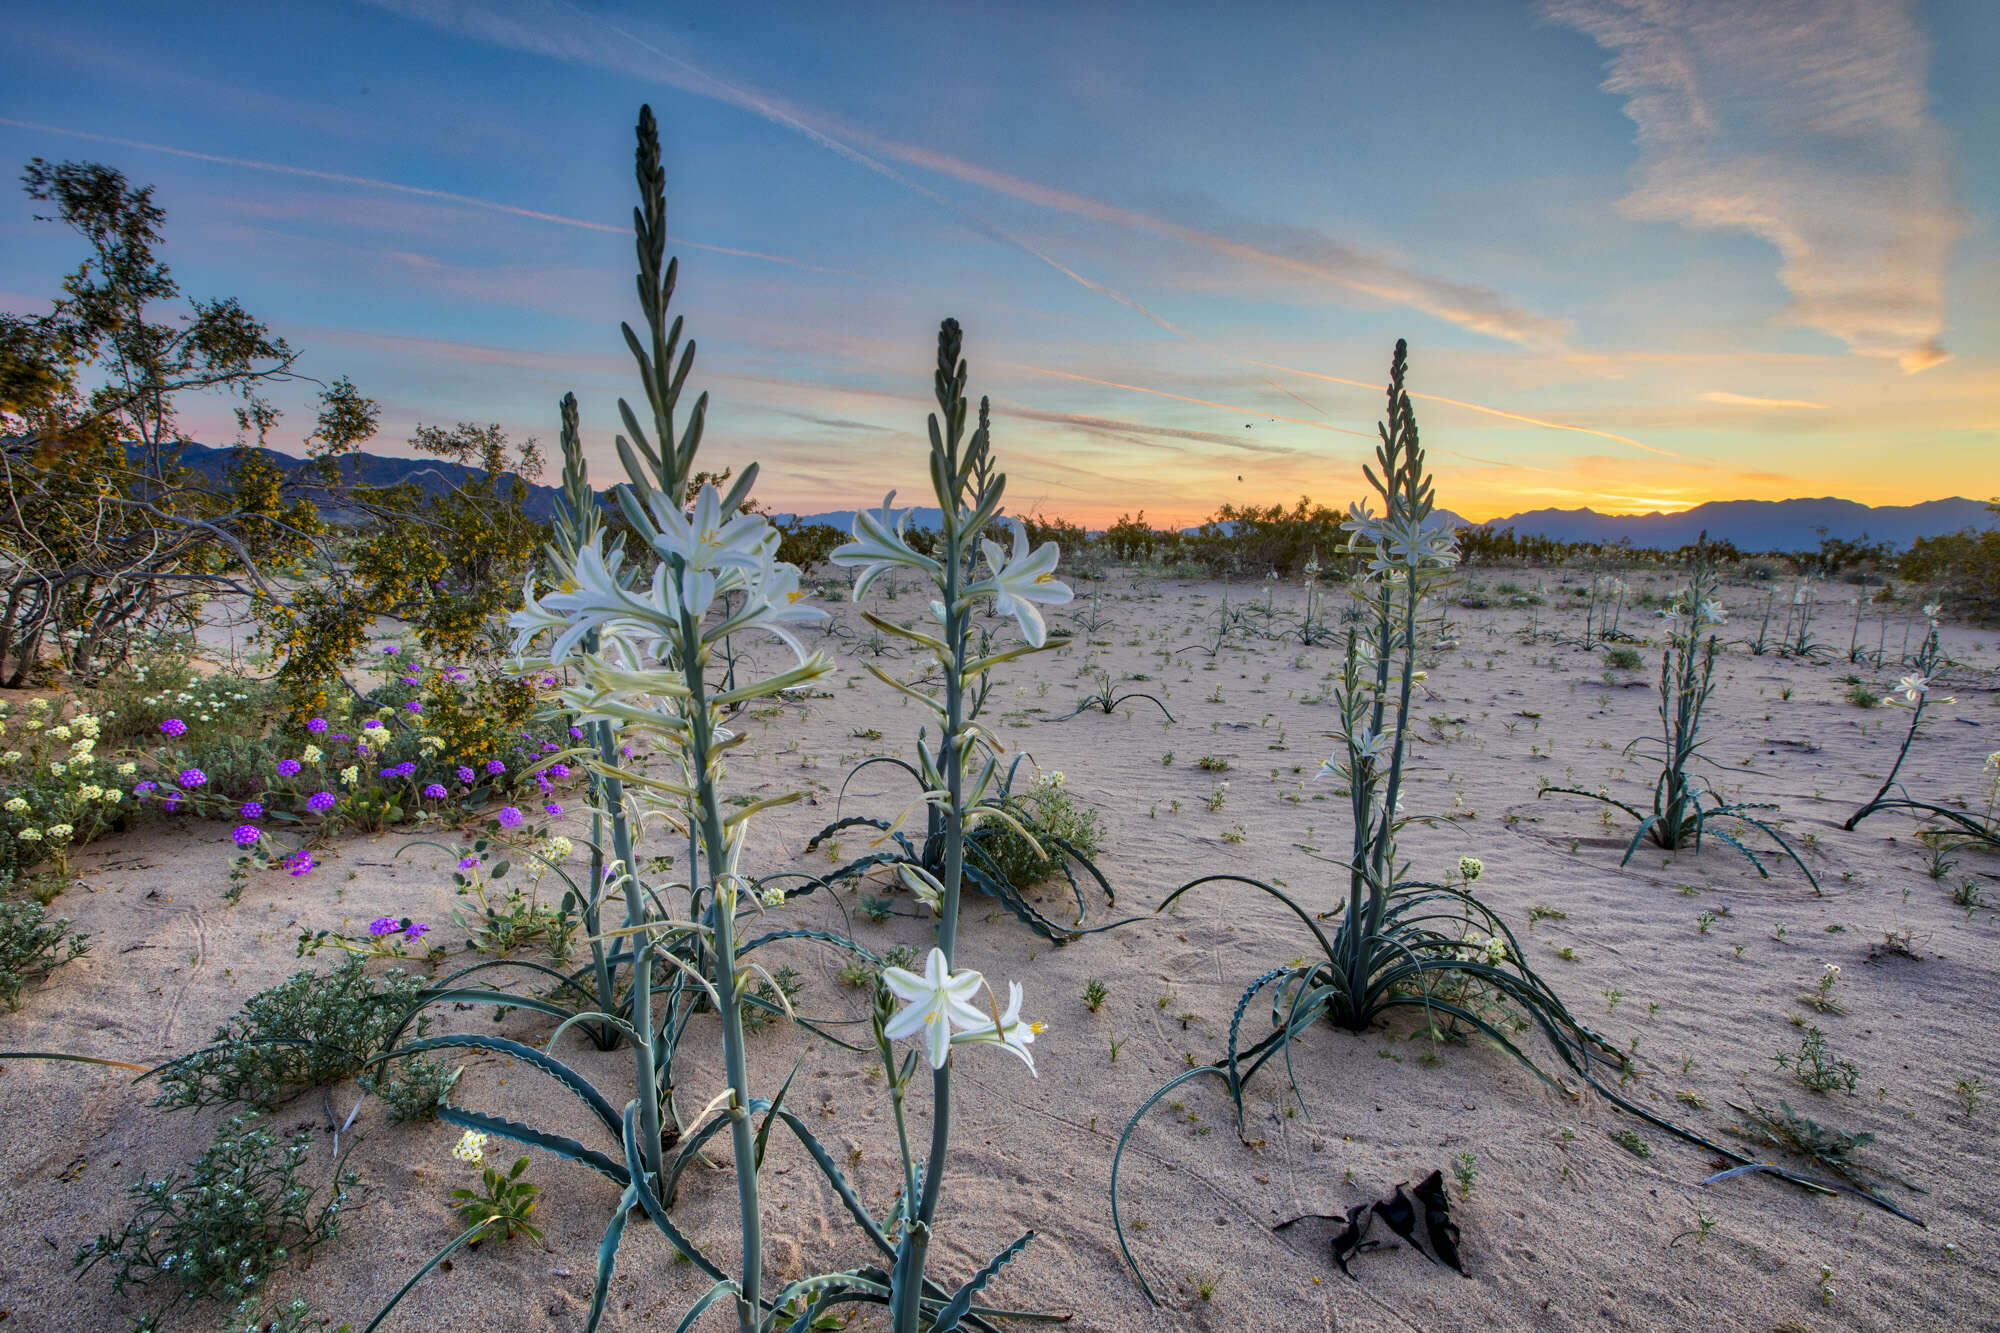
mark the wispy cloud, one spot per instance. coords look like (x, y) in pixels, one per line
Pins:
(1747, 400)
(552, 28)
(1803, 122)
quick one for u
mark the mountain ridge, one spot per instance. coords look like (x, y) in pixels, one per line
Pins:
(1751, 525)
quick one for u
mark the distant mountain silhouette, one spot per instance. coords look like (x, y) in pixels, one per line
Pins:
(1758, 525)
(1752, 525)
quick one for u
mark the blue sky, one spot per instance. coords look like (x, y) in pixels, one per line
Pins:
(1732, 250)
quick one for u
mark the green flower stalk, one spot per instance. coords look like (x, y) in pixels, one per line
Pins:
(1916, 691)
(1434, 948)
(1685, 804)
(1018, 581)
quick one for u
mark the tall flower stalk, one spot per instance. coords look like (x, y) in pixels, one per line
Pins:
(1400, 944)
(1916, 691)
(1686, 806)
(968, 569)
(640, 621)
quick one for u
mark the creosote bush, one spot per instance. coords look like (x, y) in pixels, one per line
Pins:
(315, 1029)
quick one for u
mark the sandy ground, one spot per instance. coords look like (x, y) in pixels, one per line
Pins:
(1558, 1233)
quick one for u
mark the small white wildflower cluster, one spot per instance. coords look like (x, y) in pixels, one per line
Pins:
(1470, 868)
(1052, 780)
(471, 1148)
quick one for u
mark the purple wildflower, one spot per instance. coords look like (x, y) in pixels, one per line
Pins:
(558, 771)
(415, 705)
(576, 733)
(384, 925)
(342, 736)
(246, 835)
(252, 810)
(509, 817)
(552, 809)
(299, 862)
(171, 804)
(470, 862)
(321, 801)
(193, 777)
(411, 680)
(495, 767)
(389, 650)
(288, 768)
(316, 726)
(145, 788)
(173, 726)
(435, 792)
(416, 930)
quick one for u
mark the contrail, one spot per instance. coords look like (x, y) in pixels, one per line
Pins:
(1183, 398)
(395, 187)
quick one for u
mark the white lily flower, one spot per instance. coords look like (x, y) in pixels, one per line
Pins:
(1913, 685)
(1012, 1033)
(772, 600)
(708, 539)
(1023, 581)
(878, 546)
(933, 1004)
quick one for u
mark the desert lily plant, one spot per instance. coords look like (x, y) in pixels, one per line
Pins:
(1916, 691)
(1397, 943)
(1799, 641)
(1686, 806)
(1108, 699)
(644, 653)
(961, 785)
(965, 795)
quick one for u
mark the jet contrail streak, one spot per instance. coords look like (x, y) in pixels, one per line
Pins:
(396, 187)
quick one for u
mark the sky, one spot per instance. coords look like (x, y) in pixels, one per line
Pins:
(1646, 252)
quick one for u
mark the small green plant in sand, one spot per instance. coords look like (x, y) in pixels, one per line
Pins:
(217, 1230)
(315, 1029)
(500, 1207)
(32, 945)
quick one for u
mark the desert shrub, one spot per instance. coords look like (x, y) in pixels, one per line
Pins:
(1622, 658)
(1964, 566)
(412, 1087)
(807, 545)
(315, 1029)
(31, 947)
(1051, 816)
(236, 1215)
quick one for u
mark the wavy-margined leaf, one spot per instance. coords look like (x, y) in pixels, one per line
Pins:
(961, 1301)
(548, 1064)
(559, 1144)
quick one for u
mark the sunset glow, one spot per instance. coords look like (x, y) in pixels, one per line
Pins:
(1641, 262)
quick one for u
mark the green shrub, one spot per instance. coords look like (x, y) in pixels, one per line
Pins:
(217, 1231)
(413, 1091)
(1622, 658)
(32, 944)
(1050, 814)
(315, 1029)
